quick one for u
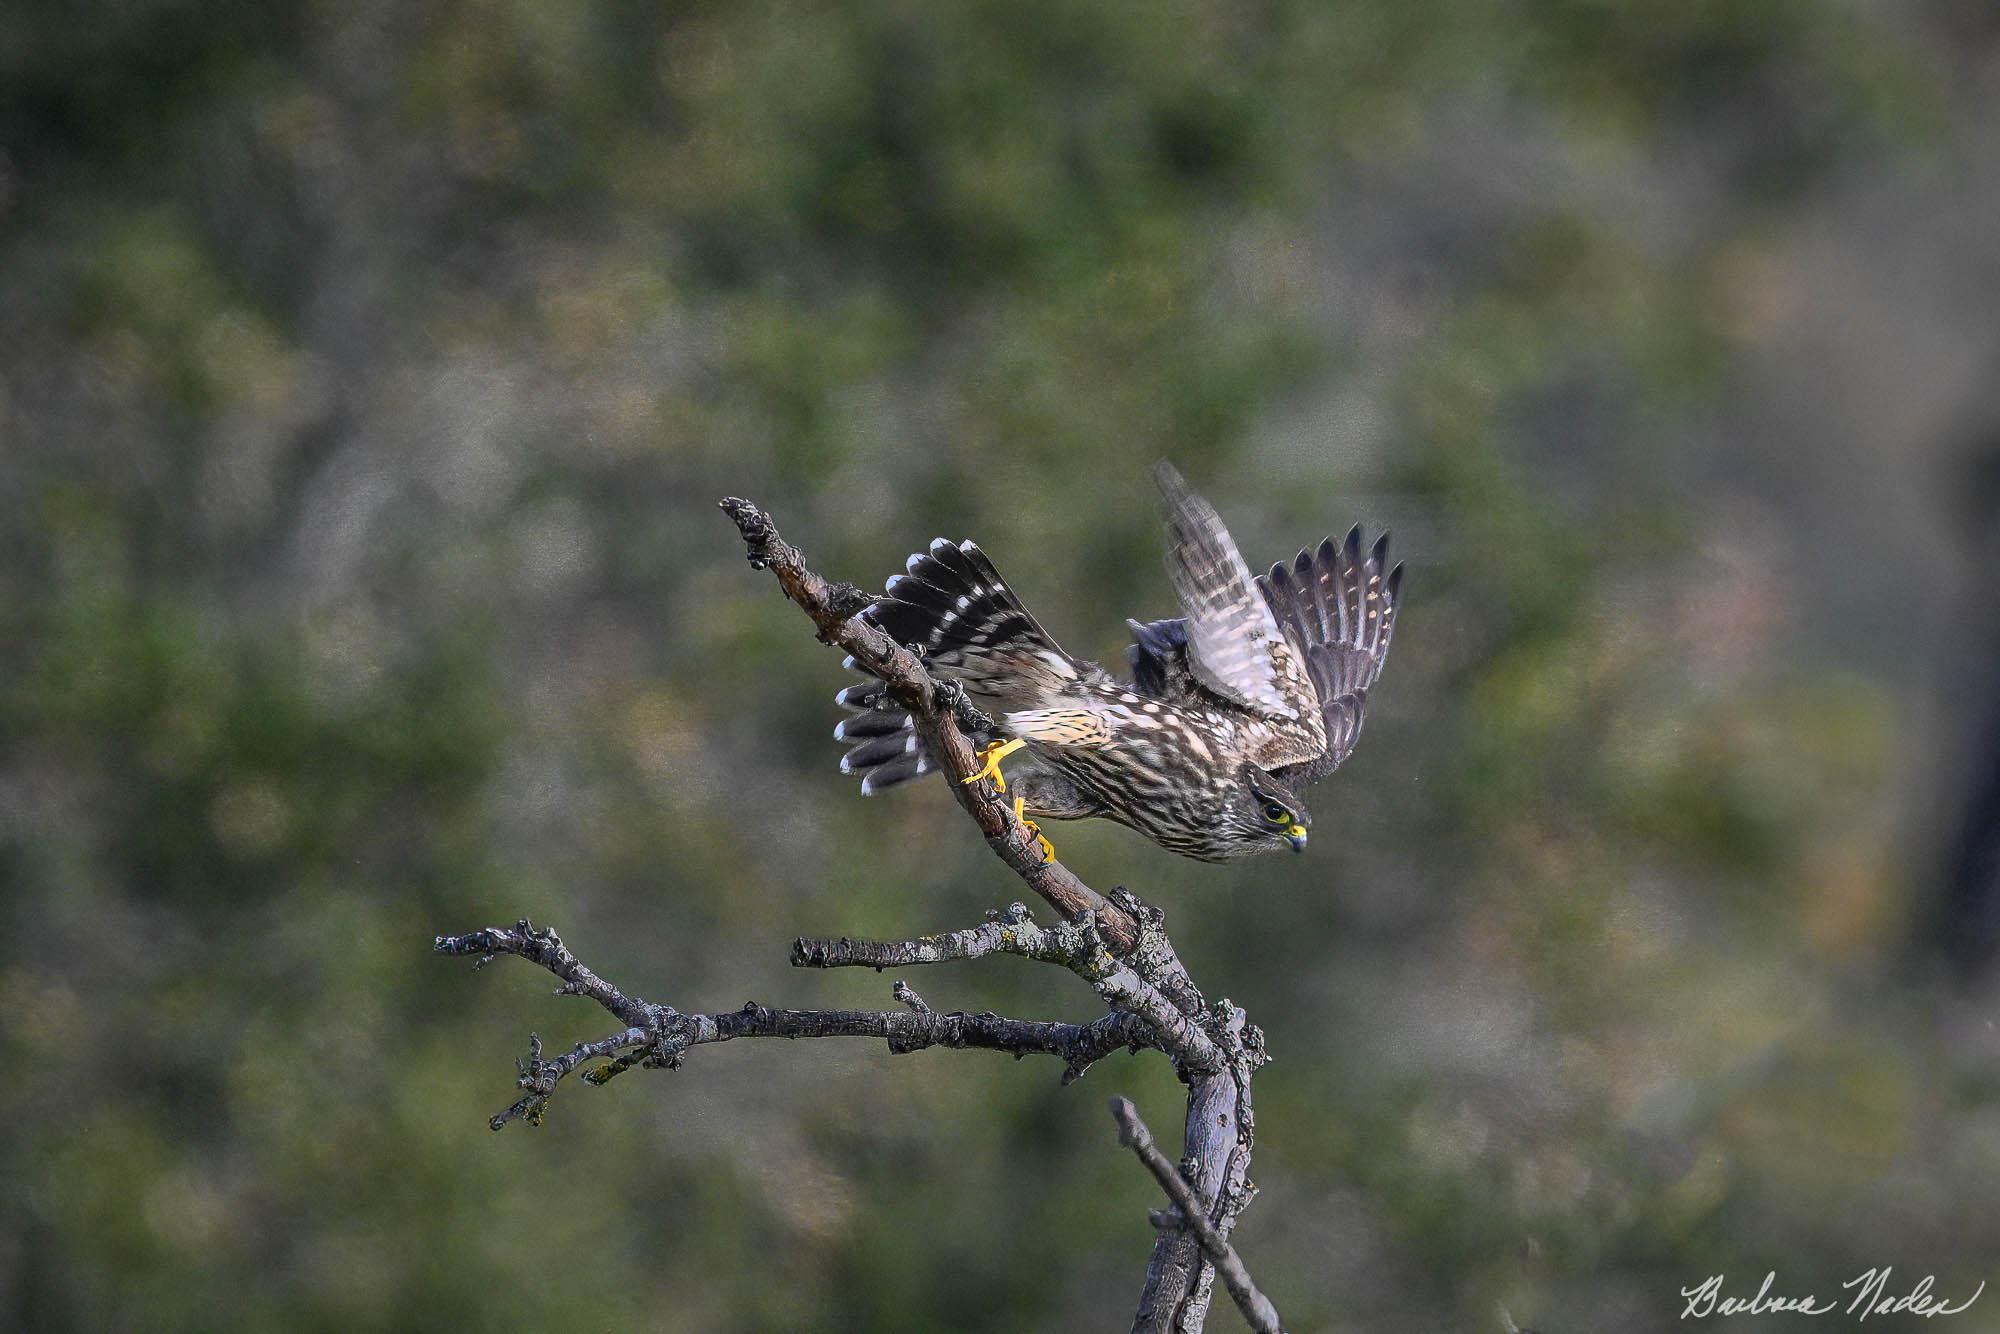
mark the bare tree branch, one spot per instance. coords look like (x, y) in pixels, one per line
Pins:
(1074, 945)
(658, 1035)
(1012, 931)
(1134, 1135)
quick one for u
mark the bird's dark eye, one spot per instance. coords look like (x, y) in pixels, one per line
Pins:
(1277, 814)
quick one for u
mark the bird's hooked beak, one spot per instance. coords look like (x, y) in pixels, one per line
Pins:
(1296, 836)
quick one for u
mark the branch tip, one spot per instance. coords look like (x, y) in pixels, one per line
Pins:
(759, 533)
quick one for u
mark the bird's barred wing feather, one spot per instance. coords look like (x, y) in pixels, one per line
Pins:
(1337, 608)
(1234, 644)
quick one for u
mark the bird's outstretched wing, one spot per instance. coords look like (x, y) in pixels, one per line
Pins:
(1338, 610)
(1235, 647)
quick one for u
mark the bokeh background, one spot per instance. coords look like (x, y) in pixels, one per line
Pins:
(368, 374)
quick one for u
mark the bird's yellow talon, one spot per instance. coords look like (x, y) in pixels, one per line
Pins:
(1048, 848)
(990, 758)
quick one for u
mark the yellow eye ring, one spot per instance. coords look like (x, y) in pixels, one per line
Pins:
(1276, 814)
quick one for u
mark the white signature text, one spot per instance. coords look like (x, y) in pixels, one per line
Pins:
(1868, 1294)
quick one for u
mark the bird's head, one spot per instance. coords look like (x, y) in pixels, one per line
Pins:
(1268, 814)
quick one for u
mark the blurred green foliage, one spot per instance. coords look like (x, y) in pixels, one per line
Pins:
(369, 373)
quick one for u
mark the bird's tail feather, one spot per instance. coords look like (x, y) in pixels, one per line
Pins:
(885, 747)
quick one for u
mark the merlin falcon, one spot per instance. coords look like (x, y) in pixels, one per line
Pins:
(1256, 690)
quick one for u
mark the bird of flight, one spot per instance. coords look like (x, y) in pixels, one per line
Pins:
(1256, 690)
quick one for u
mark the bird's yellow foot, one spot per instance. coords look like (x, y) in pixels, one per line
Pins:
(990, 758)
(1048, 848)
